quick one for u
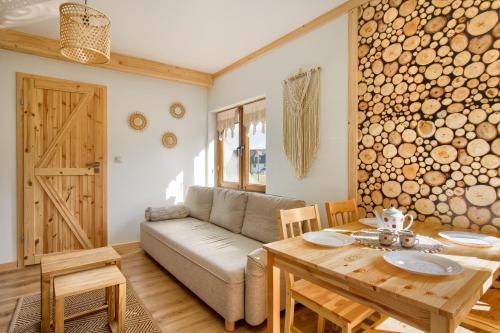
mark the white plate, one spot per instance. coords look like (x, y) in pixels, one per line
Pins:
(328, 238)
(423, 263)
(470, 238)
(369, 221)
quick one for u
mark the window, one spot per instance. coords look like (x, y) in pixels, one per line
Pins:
(242, 147)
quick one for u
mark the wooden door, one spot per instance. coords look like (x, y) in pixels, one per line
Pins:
(61, 140)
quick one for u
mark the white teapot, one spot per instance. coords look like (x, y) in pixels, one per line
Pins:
(393, 219)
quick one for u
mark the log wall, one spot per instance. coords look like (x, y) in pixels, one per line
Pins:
(429, 110)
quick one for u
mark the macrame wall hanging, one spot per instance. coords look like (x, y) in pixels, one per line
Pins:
(301, 120)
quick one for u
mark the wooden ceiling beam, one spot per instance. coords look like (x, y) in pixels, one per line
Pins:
(49, 48)
(45, 47)
(302, 30)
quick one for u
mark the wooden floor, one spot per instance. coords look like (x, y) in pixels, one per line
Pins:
(174, 307)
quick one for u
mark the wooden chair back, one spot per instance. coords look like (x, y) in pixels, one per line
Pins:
(341, 212)
(296, 221)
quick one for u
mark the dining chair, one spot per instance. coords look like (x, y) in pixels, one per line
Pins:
(479, 322)
(484, 316)
(328, 305)
(391, 325)
(341, 212)
(473, 322)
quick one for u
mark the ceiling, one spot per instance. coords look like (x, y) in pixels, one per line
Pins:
(205, 35)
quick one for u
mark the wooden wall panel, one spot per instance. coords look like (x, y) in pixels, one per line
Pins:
(429, 110)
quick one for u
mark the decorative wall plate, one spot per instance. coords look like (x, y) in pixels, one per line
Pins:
(137, 121)
(177, 110)
(169, 140)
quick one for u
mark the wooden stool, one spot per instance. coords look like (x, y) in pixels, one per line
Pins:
(108, 277)
(55, 264)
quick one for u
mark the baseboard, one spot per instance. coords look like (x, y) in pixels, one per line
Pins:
(121, 248)
(8, 266)
(124, 248)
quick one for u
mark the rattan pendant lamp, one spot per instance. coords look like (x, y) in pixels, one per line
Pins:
(84, 34)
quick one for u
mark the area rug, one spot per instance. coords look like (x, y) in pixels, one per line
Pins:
(26, 318)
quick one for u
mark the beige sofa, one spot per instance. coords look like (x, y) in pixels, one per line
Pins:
(217, 251)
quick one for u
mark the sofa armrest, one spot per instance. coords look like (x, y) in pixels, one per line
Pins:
(256, 287)
(258, 260)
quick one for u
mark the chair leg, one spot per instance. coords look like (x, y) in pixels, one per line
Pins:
(289, 312)
(59, 315)
(121, 296)
(321, 324)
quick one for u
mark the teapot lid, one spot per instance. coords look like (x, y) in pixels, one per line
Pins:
(392, 211)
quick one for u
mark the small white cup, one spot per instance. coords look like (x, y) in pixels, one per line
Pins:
(407, 238)
(387, 237)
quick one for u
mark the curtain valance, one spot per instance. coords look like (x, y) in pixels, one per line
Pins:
(226, 121)
(253, 114)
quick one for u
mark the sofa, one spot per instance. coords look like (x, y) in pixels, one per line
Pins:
(217, 251)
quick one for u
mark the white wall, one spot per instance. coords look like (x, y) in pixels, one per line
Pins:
(325, 47)
(149, 174)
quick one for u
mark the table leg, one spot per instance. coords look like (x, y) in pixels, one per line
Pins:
(59, 316)
(121, 306)
(117, 303)
(273, 295)
(45, 304)
(111, 301)
(118, 264)
(442, 324)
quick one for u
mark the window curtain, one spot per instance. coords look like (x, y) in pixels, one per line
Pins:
(226, 121)
(253, 114)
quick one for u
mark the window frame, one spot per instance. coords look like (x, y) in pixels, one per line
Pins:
(244, 156)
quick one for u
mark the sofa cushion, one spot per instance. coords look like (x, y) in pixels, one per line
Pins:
(166, 213)
(228, 209)
(199, 202)
(226, 299)
(261, 216)
(217, 250)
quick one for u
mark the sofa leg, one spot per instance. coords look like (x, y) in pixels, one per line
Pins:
(229, 325)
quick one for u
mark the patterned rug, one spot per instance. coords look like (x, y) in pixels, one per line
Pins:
(26, 318)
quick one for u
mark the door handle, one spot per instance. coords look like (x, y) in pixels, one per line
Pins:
(240, 150)
(96, 165)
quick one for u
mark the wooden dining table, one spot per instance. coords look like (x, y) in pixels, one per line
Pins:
(430, 303)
